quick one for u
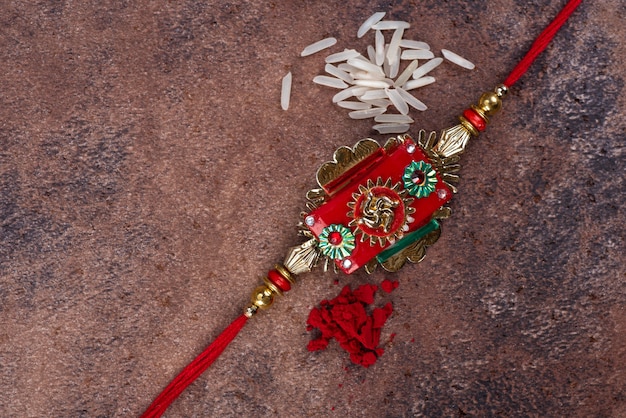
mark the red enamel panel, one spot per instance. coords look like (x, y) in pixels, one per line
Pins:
(388, 165)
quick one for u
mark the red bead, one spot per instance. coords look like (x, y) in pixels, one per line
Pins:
(282, 283)
(335, 238)
(475, 119)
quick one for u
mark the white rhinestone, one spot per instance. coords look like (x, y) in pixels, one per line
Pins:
(442, 194)
(309, 220)
(410, 148)
(346, 264)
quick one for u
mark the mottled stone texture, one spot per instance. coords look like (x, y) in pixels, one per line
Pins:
(148, 178)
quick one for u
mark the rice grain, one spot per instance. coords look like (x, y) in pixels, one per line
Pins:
(369, 22)
(367, 113)
(420, 82)
(417, 54)
(457, 59)
(318, 46)
(365, 66)
(374, 94)
(391, 128)
(354, 105)
(393, 118)
(380, 47)
(349, 92)
(411, 100)
(398, 101)
(375, 84)
(391, 25)
(330, 82)
(332, 70)
(285, 91)
(406, 74)
(410, 44)
(342, 56)
(426, 68)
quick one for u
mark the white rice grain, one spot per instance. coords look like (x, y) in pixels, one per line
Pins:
(394, 66)
(408, 43)
(365, 66)
(375, 84)
(285, 91)
(330, 82)
(374, 94)
(340, 74)
(354, 105)
(380, 47)
(391, 25)
(398, 101)
(367, 113)
(347, 68)
(420, 82)
(318, 46)
(369, 22)
(366, 75)
(349, 92)
(342, 56)
(406, 74)
(393, 53)
(457, 59)
(371, 53)
(426, 68)
(377, 102)
(391, 128)
(411, 100)
(393, 118)
(416, 54)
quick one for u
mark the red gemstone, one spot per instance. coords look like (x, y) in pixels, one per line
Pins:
(335, 238)
(418, 177)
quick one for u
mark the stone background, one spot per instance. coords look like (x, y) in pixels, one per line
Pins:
(149, 178)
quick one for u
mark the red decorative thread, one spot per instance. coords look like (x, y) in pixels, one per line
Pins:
(541, 42)
(345, 319)
(194, 369)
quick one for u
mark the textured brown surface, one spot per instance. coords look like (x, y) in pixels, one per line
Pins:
(148, 178)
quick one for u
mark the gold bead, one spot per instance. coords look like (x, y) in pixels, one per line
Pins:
(489, 103)
(501, 90)
(262, 297)
(250, 311)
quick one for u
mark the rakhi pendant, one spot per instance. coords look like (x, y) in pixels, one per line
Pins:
(374, 205)
(379, 204)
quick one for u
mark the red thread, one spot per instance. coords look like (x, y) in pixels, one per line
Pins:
(194, 369)
(541, 42)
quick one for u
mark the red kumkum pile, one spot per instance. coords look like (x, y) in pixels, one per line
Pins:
(346, 319)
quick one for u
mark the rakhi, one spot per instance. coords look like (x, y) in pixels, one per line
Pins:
(374, 205)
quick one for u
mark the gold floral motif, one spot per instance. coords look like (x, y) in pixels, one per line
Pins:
(344, 159)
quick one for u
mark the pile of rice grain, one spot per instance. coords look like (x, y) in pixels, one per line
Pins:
(372, 85)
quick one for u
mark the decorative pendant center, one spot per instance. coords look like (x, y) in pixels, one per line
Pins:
(380, 212)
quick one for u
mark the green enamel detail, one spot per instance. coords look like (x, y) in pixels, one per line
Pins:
(407, 240)
(429, 179)
(340, 250)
